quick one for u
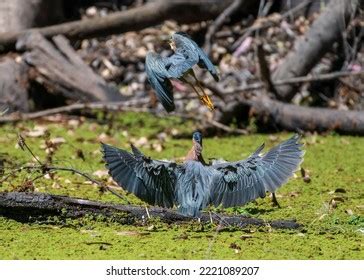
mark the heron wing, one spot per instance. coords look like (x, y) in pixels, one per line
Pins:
(205, 62)
(240, 182)
(158, 78)
(151, 180)
(191, 49)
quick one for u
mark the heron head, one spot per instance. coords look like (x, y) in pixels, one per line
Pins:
(197, 137)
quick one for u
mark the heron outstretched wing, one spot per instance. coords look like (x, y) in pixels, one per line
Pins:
(150, 180)
(158, 77)
(193, 54)
(240, 182)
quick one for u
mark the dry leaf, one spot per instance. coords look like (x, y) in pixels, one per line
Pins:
(100, 173)
(58, 140)
(127, 233)
(246, 236)
(37, 131)
(157, 147)
(142, 141)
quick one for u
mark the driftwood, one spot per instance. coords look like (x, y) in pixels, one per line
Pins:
(135, 19)
(61, 70)
(298, 118)
(16, 15)
(120, 106)
(13, 85)
(27, 207)
(324, 32)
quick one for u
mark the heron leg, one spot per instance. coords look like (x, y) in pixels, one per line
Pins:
(191, 85)
(205, 99)
(275, 201)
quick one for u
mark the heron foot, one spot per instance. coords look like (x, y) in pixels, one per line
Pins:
(275, 201)
(205, 99)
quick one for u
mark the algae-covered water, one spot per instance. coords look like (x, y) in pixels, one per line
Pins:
(330, 207)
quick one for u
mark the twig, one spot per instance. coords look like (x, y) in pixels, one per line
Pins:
(227, 128)
(111, 106)
(264, 71)
(47, 169)
(44, 168)
(321, 77)
(291, 12)
(267, 24)
(24, 146)
(216, 25)
(296, 80)
(214, 123)
(119, 106)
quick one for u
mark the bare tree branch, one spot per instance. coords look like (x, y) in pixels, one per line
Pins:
(219, 21)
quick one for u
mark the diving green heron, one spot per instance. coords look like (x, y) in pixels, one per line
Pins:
(178, 66)
(193, 185)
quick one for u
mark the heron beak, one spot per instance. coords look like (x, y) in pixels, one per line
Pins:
(205, 99)
(172, 44)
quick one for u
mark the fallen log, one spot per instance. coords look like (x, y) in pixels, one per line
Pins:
(135, 19)
(58, 67)
(26, 207)
(291, 117)
(13, 85)
(324, 32)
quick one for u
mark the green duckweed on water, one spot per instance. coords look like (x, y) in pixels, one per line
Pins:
(330, 207)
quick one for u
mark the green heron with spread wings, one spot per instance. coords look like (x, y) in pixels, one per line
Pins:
(193, 185)
(178, 66)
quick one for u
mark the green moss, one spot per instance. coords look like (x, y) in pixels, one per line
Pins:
(331, 230)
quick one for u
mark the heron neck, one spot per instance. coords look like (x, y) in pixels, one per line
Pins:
(196, 153)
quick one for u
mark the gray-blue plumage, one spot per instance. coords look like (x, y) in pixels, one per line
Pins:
(158, 76)
(192, 185)
(178, 66)
(243, 181)
(192, 188)
(187, 54)
(151, 180)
